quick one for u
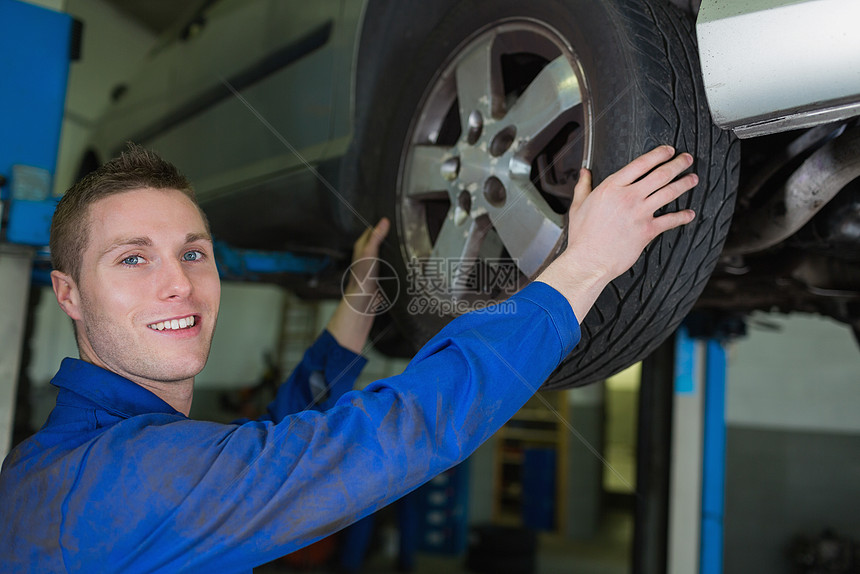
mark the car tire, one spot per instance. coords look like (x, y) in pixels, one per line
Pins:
(633, 66)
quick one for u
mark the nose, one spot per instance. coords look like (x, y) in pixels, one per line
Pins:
(174, 282)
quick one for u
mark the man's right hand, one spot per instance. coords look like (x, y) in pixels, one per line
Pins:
(610, 226)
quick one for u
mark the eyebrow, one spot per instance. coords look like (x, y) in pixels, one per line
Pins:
(128, 241)
(147, 242)
(192, 237)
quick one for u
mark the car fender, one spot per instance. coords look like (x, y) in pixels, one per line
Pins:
(775, 65)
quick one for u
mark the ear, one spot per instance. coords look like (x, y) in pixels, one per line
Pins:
(68, 296)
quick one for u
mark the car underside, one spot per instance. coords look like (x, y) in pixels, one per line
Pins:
(794, 244)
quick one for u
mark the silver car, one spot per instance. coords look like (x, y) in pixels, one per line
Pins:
(466, 122)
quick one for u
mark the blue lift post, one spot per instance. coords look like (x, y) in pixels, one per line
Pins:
(714, 459)
(35, 51)
(698, 456)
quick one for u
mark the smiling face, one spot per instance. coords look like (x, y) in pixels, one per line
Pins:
(147, 298)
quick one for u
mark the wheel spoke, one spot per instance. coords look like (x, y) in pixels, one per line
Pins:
(459, 241)
(424, 179)
(528, 227)
(479, 83)
(456, 252)
(492, 246)
(546, 102)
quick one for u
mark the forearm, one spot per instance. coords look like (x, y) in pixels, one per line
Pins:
(338, 366)
(580, 284)
(349, 327)
(350, 324)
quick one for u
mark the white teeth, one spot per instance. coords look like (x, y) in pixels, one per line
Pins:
(183, 323)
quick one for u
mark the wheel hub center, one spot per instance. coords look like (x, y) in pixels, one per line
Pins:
(476, 165)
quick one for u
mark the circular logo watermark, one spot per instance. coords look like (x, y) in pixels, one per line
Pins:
(370, 286)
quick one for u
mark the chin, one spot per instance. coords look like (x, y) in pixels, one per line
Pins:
(182, 369)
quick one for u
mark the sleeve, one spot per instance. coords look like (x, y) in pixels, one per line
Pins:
(326, 371)
(227, 498)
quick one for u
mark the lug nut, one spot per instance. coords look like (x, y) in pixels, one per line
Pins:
(502, 141)
(451, 168)
(464, 206)
(495, 192)
(476, 126)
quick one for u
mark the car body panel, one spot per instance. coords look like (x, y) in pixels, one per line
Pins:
(776, 65)
(250, 98)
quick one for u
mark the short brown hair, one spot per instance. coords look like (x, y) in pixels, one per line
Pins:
(135, 168)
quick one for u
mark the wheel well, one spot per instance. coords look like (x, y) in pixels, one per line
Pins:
(388, 28)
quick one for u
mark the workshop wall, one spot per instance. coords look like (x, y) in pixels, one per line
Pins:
(793, 439)
(801, 372)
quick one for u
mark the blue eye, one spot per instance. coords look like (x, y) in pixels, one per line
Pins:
(192, 256)
(132, 260)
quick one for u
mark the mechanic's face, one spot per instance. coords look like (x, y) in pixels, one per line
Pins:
(147, 298)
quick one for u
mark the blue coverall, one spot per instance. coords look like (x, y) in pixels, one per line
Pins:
(118, 481)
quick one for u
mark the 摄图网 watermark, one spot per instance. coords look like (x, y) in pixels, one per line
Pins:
(435, 286)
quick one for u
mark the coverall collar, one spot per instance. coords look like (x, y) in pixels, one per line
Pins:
(108, 390)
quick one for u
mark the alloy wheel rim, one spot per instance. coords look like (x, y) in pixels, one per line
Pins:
(490, 162)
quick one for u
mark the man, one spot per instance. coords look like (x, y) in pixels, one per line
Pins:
(119, 479)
